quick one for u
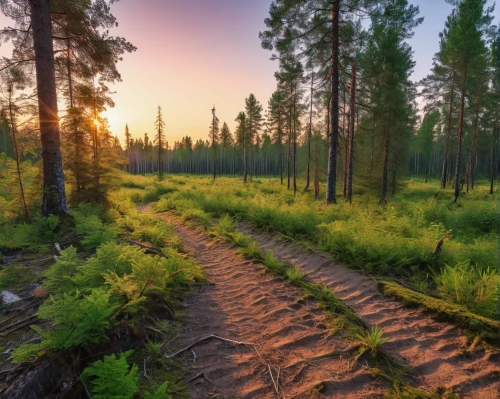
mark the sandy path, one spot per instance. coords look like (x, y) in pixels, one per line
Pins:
(245, 304)
(432, 349)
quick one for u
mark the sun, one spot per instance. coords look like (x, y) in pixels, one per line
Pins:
(114, 118)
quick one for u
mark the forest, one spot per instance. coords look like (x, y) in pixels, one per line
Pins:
(340, 242)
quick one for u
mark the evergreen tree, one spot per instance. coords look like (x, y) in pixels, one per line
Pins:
(159, 140)
(242, 140)
(388, 64)
(226, 141)
(253, 117)
(466, 49)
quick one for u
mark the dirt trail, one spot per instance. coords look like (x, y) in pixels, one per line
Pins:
(290, 338)
(432, 349)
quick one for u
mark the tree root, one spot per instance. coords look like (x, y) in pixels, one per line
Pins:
(206, 339)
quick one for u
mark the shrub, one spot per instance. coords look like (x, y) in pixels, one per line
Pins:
(112, 378)
(95, 232)
(471, 286)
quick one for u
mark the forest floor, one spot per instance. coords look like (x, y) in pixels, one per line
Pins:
(287, 349)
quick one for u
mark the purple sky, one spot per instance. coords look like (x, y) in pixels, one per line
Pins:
(193, 54)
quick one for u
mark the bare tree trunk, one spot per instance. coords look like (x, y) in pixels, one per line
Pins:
(459, 139)
(448, 137)
(493, 157)
(316, 170)
(244, 157)
(309, 135)
(472, 152)
(351, 133)
(54, 194)
(294, 145)
(331, 185)
(18, 166)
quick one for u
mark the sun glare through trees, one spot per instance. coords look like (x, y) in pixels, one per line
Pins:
(235, 199)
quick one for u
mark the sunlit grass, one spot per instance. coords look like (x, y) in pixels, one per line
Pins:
(400, 239)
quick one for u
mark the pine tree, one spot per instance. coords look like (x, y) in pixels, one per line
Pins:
(159, 140)
(388, 63)
(276, 123)
(466, 49)
(253, 113)
(226, 141)
(54, 194)
(242, 139)
(214, 136)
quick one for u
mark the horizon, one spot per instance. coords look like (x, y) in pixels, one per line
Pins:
(217, 69)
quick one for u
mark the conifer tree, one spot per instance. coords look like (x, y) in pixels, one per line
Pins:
(226, 141)
(242, 140)
(214, 137)
(466, 49)
(253, 114)
(159, 140)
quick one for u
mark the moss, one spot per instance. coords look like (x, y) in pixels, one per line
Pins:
(456, 314)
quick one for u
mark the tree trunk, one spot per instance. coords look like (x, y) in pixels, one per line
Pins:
(308, 177)
(493, 157)
(334, 135)
(472, 152)
(448, 137)
(18, 166)
(459, 139)
(351, 133)
(294, 145)
(54, 195)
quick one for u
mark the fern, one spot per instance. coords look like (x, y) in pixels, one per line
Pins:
(160, 392)
(112, 378)
(59, 276)
(95, 231)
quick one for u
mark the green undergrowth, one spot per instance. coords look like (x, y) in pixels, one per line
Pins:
(488, 329)
(114, 294)
(419, 237)
(339, 317)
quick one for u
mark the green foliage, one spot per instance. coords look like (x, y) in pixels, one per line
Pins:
(78, 319)
(224, 227)
(294, 275)
(33, 237)
(373, 340)
(251, 251)
(400, 239)
(457, 314)
(95, 231)
(160, 393)
(112, 378)
(274, 264)
(15, 275)
(59, 276)
(471, 286)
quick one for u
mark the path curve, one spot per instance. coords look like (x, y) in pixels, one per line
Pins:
(432, 349)
(248, 305)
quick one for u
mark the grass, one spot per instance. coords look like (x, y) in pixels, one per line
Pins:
(121, 288)
(444, 310)
(373, 340)
(419, 237)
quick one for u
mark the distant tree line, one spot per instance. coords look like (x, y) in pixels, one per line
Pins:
(345, 109)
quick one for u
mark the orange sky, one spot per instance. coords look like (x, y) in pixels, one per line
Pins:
(193, 54)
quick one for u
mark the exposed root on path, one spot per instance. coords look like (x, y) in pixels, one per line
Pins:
(236, 343)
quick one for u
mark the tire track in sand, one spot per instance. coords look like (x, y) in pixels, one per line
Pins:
(245, 304)
(432, 349)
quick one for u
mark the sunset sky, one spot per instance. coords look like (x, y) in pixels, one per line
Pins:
(193, 54)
